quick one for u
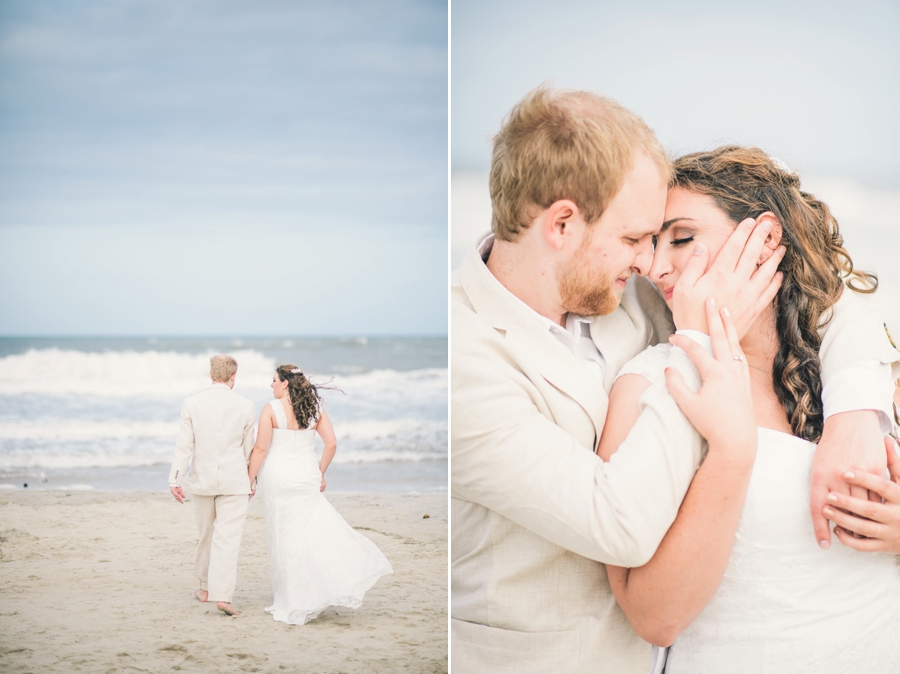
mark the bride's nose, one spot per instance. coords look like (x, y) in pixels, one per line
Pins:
(661, 266)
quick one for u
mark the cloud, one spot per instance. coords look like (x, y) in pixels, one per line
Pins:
(314, 125)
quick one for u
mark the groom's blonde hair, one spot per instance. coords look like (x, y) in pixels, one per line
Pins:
(222, 367)
(564, 144)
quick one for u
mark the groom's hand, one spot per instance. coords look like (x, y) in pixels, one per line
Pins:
(177, 493)
(850, 441)
(733, 279)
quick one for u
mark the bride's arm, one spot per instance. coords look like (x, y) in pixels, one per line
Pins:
(664, 596)
(326, 432)
(263, 440)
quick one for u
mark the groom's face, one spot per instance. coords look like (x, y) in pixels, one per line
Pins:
(618, 245)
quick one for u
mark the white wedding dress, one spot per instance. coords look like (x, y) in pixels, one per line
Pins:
(784, 605)
(316, 559)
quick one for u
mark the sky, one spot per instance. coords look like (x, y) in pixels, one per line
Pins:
(816, 84)
(223, 168)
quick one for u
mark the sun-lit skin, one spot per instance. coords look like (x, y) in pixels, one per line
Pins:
(620, 243)
(279, 388)
(560, 264)
(690, 219)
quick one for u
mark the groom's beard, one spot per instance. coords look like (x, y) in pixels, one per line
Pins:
(585, 290)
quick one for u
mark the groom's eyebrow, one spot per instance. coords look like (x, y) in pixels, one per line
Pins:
(669, 223)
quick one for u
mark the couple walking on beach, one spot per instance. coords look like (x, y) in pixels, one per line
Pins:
(614, 484)
(316, 559)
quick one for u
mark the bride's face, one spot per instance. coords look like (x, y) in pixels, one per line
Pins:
(278, 386)
(691, 218)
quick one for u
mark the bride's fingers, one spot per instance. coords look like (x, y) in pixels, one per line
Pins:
(861, 544)
(678, 389)
(864, 508)
(886, 489)
(701, 358)
(893, 460)
(857, 525)
(717, 337)
(734, 342)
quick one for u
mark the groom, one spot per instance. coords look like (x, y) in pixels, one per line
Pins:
(215, 440)
(544, 313)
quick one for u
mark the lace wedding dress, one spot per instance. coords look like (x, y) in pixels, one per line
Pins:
(316, 559)
(784, 605)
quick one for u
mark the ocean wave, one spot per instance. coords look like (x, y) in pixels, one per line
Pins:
(86, 431)
(63, 372)
(120, 373)
(55, 459)
(83, 431)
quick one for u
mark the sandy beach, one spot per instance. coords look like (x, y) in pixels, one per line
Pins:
(103, 582)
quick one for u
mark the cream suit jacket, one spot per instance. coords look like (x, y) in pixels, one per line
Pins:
(535, 513)
(215, 440)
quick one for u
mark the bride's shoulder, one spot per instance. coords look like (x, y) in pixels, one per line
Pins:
(649, 363)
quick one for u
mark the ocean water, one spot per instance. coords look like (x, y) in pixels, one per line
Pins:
(103, 413)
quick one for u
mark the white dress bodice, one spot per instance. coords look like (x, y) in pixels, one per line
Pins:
(784, 605)
(316, 559)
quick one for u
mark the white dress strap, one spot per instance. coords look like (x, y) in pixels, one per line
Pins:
(280, 416)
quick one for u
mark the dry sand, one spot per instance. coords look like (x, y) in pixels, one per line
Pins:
(103, 582)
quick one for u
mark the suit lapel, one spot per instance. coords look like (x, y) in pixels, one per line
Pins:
(535, 347)
(614, 335)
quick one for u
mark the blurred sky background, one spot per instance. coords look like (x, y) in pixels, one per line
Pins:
(816, 84)
(183, 167)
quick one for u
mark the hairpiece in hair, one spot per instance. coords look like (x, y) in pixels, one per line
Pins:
(781, 166)
(296, 370)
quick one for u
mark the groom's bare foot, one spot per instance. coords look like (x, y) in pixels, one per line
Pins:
(227, 609)
(202, 595)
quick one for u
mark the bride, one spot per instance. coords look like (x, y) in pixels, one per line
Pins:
(316, 559)
(742, 587)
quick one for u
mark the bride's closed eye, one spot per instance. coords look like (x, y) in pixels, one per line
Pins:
(681, 241)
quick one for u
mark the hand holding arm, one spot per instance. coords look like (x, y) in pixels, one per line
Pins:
(878, 522)
(850, 440)
(263, 440)
(665, 595)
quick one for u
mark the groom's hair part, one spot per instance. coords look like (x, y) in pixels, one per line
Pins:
(564, 144)
(222, 367)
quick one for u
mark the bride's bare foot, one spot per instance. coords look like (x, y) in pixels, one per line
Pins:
(227, 609)
(202, 595)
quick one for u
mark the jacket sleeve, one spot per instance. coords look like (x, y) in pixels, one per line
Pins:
(856, 332)
(249, 436)
(510, 457)
(184, 447)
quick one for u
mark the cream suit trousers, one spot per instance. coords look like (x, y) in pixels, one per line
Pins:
(220, 520)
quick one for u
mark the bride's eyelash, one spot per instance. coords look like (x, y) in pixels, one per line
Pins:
(681, 242)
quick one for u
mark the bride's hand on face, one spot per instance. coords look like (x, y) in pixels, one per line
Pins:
(735, 279)
(722, 409)
(879, 523)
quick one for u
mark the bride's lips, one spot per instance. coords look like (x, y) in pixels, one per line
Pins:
(668, 292)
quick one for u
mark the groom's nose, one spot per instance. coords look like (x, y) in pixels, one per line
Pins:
(644, 258)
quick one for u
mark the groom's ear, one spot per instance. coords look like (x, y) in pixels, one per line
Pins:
(773, 240)
(558, 222)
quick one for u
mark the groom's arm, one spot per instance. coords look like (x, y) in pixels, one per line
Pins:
(511, 458)
(184, 449)
(856, 355)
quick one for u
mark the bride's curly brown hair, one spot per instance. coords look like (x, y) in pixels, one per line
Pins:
(745, 183)
(304, 395)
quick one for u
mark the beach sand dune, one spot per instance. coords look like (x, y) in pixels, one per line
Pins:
(103, 582)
